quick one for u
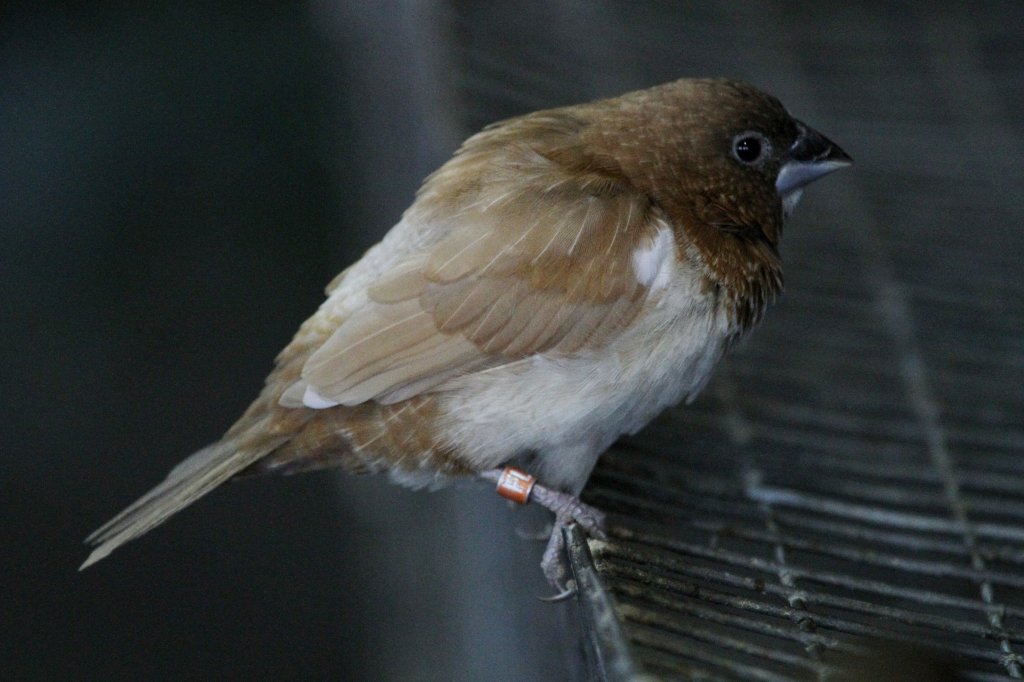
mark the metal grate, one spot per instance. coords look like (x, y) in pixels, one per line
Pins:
(856, 472)
(861, 476)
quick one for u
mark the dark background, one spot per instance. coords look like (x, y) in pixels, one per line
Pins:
(178, 181)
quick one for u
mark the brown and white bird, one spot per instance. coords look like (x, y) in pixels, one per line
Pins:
(566, 276)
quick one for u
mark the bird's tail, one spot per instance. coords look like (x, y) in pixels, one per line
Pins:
(186, 483)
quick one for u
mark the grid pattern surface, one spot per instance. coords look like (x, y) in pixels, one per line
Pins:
(857, 469)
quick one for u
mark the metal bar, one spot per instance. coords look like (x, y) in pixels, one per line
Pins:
(660, 622)
(1006, 553)
(800, 616)
(759, 585)
(672, 667)
(626, 581)
(879, 485)
(636, 592)
(963, 44)
(885, 560)
(798, 499)
(613, 500)
(879, 587)
(613, 660)
(660, 641)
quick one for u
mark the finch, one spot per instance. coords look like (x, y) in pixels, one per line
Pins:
(562, 279)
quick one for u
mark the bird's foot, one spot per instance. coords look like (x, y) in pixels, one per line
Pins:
(568, 509)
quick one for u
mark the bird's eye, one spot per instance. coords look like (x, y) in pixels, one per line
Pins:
(749, 148)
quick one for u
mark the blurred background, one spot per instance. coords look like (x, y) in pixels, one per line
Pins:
(179, 180)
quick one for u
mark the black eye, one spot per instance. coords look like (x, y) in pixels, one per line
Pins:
(749, 148)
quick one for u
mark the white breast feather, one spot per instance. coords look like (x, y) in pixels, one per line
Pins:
(651, 263)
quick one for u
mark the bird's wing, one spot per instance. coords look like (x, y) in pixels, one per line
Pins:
(546, 248)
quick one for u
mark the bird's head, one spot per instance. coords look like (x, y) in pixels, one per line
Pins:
(726, 163)
(729, 153)
(762, 144)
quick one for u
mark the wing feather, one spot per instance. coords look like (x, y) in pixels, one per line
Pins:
(404, 282)
(536, 257)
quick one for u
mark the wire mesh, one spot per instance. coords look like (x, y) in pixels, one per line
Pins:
(828, 497)
(856, 472)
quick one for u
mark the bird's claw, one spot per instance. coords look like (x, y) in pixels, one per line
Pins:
(568, 591)
(568, 511)
(553, 562)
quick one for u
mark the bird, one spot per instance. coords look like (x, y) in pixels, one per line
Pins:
(561, 280)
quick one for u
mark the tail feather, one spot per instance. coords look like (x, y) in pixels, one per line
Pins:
(186, 483)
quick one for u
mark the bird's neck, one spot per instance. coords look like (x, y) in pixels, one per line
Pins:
(743, 270)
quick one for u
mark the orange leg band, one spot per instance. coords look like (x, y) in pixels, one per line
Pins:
(515, 485)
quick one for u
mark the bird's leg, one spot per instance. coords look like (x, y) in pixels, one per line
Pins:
(521, 487)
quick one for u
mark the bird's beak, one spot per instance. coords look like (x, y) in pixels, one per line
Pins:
(810, 157)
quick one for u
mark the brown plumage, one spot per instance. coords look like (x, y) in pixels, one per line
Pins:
(564, 277)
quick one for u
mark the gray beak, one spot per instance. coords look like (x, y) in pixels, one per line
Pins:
(810, 157)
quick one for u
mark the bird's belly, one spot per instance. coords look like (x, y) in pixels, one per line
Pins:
(577, 406)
